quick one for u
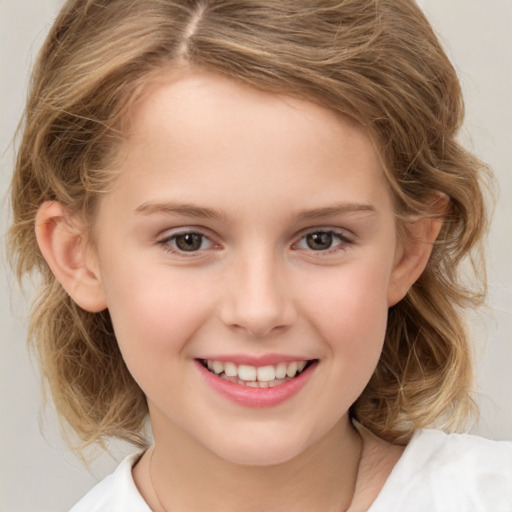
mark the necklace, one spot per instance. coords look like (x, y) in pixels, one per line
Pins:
(360, 456)
(151, 480)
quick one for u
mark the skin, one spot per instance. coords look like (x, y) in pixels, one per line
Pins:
(253, 173)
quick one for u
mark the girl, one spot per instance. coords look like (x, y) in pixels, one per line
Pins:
(249, 218)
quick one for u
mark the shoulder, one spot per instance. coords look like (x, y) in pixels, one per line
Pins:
(450, 472)
(115, 493)
(433, 448)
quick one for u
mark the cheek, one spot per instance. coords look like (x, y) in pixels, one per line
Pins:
(348, 313)
(351, 314)
(153, 316)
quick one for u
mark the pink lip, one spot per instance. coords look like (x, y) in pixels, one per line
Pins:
(256, 397)
(264, 360)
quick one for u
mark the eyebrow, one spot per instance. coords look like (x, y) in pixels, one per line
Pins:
(191, 210)
(184, 209)
(335, 210)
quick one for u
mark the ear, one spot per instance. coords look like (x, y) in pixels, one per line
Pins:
(63, 243)
(415, 249)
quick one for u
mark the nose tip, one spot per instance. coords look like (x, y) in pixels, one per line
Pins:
(258, 318)
(258, 304)
(258, 326)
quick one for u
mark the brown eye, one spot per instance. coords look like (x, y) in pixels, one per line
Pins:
(324, 241)
(320, 240)
(188, 242)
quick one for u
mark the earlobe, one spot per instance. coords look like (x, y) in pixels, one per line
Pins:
(413, 257)
(63, 245)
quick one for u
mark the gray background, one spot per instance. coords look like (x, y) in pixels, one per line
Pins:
(37, 473)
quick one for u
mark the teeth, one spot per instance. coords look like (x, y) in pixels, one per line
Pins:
(230, 369)
(246, 372)
(281, 370)
(301, 365)
(262, 376)
(266, 373)
(217, 367)
(292, 370)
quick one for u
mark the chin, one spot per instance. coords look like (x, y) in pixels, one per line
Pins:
(258, 451)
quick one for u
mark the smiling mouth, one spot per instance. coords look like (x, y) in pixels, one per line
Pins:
(268, 376)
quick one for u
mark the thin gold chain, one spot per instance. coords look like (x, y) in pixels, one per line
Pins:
(151, 480)
(361, 446)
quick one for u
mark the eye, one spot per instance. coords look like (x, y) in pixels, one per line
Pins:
(322, 240)
(188, 241)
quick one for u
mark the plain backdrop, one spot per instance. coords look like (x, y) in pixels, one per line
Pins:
(37, 473)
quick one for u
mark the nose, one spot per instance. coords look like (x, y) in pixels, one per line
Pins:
(257, 297)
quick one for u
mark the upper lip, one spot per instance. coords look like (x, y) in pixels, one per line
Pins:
(262, 360)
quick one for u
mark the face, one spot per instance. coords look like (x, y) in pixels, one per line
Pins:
(246, 253)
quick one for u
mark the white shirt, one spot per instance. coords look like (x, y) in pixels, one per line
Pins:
(437, 472)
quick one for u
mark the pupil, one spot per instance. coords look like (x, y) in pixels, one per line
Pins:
(319, 241)
(189, 242)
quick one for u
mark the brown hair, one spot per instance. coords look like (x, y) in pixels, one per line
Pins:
(376, 61)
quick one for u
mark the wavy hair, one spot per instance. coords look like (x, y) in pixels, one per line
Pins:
(375, 61)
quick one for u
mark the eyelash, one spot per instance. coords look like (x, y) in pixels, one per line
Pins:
(168, 243)
(344, 241)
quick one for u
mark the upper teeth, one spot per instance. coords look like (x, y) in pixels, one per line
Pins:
(256, 373)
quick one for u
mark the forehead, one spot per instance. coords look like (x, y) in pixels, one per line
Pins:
(194, 93)
(200, 129)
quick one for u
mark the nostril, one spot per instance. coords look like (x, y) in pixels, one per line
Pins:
(255, 299)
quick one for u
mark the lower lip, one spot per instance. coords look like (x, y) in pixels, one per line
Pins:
(256, 397)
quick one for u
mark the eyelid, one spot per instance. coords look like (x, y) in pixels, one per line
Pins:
(167, 236)
(342, 234)
(346, 239)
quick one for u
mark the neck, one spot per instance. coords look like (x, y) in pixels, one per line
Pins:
(178, 474)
